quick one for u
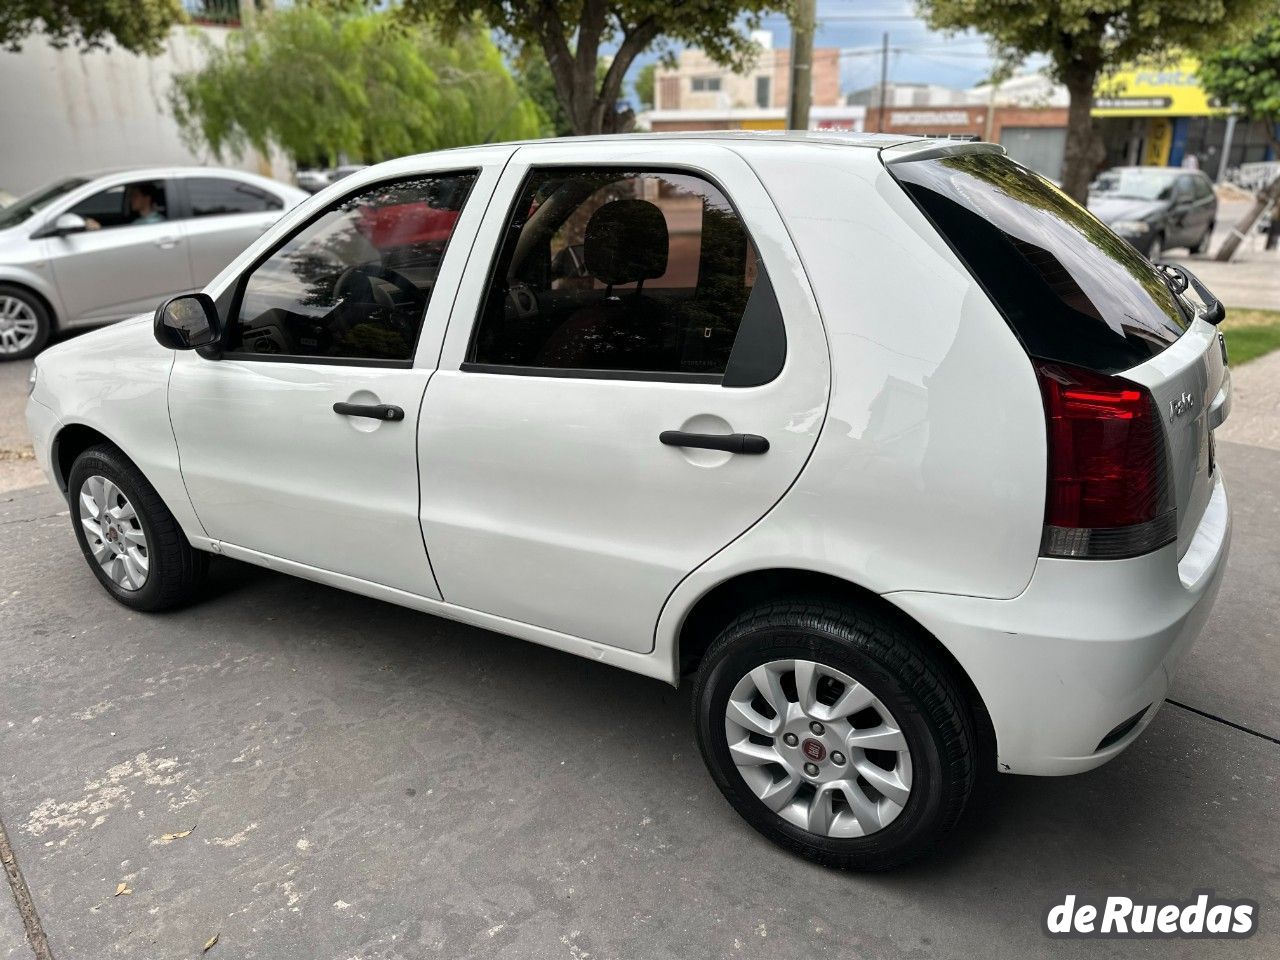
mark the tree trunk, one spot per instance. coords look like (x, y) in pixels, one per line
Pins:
(1265, 198)
(1084, 151)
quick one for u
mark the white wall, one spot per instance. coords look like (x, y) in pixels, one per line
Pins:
(64, 112)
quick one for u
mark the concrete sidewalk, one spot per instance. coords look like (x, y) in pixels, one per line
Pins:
(365, 781)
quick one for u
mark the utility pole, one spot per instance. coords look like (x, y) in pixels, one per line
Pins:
(884, 81)
(802, 27)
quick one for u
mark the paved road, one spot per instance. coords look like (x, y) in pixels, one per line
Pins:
(364, 781)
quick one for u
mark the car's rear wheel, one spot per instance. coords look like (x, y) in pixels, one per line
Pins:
(131, 541)
(25, 324)
(835, 733)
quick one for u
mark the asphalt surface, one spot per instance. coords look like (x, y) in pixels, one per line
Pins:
(364, 781)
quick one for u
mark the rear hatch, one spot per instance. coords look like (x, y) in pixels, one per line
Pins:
(1080, 298)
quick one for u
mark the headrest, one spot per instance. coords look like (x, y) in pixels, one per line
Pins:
(626, 241)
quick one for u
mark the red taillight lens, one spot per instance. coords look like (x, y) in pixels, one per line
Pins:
(1108, 492)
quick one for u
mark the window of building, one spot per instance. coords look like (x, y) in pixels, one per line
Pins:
(214, 196)
(615, 270)
(764, 91)
(706, 84)
(354, 283)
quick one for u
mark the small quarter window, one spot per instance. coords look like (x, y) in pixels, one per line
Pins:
(612, 271)
(354, 283)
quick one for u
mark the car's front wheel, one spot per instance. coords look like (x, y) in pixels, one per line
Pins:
(25, 324)
(131, 541)
(835, 733)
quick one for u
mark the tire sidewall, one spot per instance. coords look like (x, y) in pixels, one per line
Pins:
(920, 820)
(99, 462)
(44, 322)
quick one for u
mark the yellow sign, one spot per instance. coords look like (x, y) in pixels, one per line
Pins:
(1154, 91)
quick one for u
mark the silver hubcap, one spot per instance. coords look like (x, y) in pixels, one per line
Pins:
(114, 532)
(818, 748)
(18, 325)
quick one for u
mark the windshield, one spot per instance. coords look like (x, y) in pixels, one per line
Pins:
(1072, 290)
(23, 208)
(1134, 184)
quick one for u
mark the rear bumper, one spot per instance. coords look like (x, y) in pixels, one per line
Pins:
(1087, 646)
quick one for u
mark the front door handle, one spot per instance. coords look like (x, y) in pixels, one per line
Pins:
(731, 442)
(374, 411)
(167, 243)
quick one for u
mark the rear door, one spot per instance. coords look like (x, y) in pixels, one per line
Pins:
(222, 216)
(615, 299)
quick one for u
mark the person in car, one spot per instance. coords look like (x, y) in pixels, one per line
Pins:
(143, 200)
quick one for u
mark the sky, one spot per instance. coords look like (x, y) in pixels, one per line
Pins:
(917, 54)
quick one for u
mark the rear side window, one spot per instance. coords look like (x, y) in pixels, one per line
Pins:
(212, 196)
(614, 272)
(1072, 290)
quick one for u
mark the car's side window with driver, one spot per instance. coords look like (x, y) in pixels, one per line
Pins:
(125, 205)
(354, 283)
(617, 270)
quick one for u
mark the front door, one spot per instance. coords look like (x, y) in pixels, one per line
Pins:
(131, 257)
(637, 314)
(299, 442)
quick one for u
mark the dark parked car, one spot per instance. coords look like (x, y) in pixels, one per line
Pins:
(1155, 208)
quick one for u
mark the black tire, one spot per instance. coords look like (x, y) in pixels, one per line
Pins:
(888, 657)
(175, 570)
(44, 322)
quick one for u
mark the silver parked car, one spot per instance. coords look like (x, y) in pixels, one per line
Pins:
(94, 249)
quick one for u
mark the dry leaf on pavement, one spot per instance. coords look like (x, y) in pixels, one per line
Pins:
(209, 943)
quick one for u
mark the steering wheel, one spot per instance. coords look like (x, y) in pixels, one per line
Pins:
(368, 272)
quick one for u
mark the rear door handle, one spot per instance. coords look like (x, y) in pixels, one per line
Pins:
(374, 411)
(731, 442)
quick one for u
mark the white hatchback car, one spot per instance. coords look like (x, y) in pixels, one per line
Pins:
(897, 452)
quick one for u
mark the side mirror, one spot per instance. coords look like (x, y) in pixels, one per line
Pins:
(187, 322)
(65, 225)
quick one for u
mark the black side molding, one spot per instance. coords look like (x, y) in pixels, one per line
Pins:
(731, 442)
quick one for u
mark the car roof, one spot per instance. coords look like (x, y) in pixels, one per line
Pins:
(171, 170)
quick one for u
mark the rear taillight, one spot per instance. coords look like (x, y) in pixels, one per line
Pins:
(1109, 493)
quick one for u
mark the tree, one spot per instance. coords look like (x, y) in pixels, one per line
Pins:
(1246, 77)
(1085, 38)
(138, 26)
(325, 79)
(644, 84)
(570, 35)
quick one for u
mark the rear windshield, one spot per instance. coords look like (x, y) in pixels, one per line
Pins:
(1072, 290)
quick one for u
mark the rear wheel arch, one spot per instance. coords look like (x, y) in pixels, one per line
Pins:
(720, 605)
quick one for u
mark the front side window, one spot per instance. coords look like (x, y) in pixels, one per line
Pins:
(125, 205)
(213, 196)
(618, 270)
(354, 283)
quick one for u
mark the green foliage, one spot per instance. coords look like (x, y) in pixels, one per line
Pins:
(325, 79)
(139, 26)
(1246, 75)
(1097, 33)
(569, 35)
(644, 84)
(1085, 38)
